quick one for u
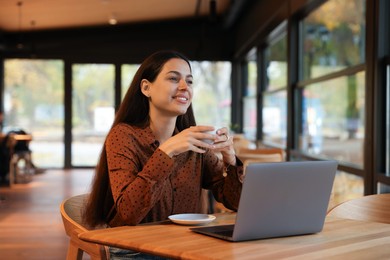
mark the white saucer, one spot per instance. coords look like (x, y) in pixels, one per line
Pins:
(191, 219)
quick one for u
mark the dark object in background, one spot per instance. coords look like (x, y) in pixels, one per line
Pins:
(5, 152)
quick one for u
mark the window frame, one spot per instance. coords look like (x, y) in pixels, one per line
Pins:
(303, 83)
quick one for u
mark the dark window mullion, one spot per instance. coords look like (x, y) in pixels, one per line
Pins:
(344, 72)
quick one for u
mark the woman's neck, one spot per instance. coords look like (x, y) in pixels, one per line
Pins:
(163, 128)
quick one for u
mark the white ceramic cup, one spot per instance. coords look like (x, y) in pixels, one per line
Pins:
(214, 132)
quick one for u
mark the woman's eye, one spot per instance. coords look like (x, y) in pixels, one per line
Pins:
(189, 82)
(174, 79)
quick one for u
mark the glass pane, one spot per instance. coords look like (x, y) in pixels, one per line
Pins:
(333, 37)
(252, 79)
(92, 110)
(346, 186)
(276, 60)
(250, 118)
(250, 106)
(212, 93)
(33, 101)
(128, 72)
(275, 117)
(333, 119)
(383, 188)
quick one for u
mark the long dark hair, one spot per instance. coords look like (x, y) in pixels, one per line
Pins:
(134, 110)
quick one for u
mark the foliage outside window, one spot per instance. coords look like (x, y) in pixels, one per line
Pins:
(212, 93)
(334, 107)
(275, 117)
(276, 62)
(128, 72)
(250, 98)
(274, 125)
(328, 129)
(92, 110)
(33, 101)
(333, 37)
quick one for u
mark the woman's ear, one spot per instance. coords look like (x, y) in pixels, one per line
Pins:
(145, 87)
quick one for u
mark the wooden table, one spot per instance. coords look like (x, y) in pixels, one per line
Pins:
(341, 239)
(367, 208)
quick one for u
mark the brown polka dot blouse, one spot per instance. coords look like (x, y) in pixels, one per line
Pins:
(147, 185)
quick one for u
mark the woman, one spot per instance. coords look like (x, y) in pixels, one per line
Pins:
(155, 160)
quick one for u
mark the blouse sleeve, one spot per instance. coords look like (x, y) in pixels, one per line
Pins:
(224, 182)
(135, 186)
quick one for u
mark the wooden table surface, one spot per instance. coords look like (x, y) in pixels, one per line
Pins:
(340, 238)
(368, 208)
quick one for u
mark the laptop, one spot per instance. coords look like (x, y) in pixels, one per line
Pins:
(280, 199)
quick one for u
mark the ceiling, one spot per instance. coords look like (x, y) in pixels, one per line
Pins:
(27, 15)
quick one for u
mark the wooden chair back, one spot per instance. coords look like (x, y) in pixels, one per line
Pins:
(240, 142)
(71, 212)
(375, 208)
(261, 155)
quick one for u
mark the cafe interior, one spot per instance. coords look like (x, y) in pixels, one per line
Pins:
(269, 71)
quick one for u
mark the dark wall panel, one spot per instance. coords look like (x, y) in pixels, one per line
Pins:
(198, 39)
(260, 18)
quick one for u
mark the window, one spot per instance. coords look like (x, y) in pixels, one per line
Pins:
(92, 110)
(212, 95)
(333, 38)
(250, 98)
(33, 101)
(333, 101)
(332, 83)
(274, 125)
(333, 118)
(128, 72)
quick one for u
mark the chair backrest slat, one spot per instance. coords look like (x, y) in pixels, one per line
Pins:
(71, 212)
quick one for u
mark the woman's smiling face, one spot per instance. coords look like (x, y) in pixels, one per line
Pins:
(171, 93)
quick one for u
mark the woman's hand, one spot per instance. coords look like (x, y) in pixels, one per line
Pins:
(196, 138)
(224, 145)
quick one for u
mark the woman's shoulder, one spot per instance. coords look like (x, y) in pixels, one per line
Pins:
(124, 130)
(124, 127)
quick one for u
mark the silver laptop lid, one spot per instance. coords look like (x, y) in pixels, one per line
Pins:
(284, 199)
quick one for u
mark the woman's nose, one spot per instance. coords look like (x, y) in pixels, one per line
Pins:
(183, 84)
